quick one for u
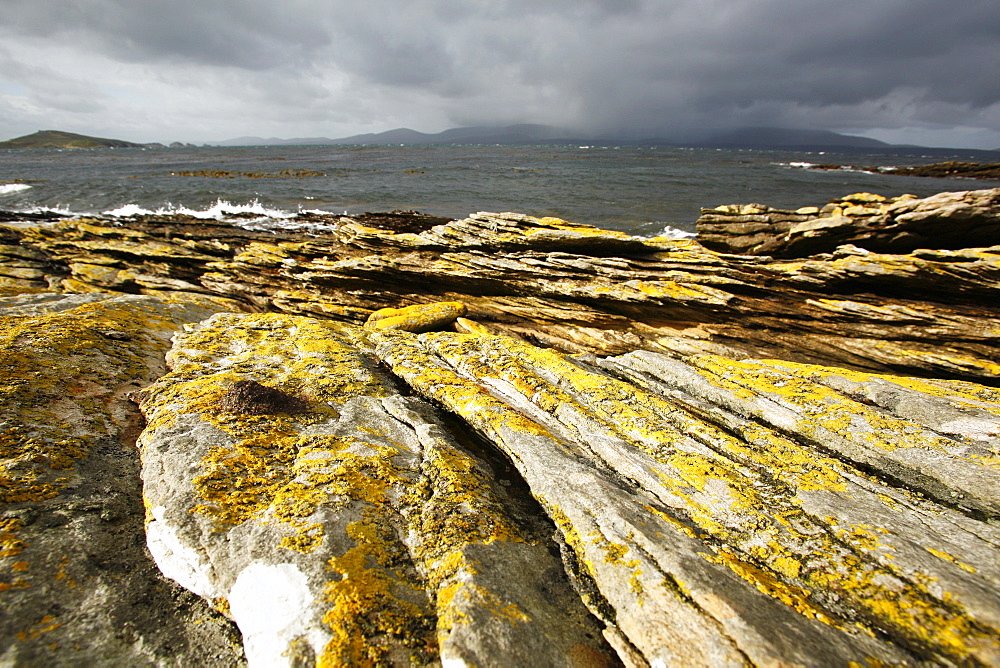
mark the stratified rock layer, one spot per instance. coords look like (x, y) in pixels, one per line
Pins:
(360, 531)
(502, 440)
(903, 224)
(572, 287)
(707, 511)
(77, 586)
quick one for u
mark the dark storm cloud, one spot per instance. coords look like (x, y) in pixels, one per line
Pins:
(251, 35)
(608, 64)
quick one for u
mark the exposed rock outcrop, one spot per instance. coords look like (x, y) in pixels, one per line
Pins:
(968, 170)
(496, 441)
(77, 586)
(698, 494)
(360, 530)
(894, 225)
(573, 287)
(708, 512)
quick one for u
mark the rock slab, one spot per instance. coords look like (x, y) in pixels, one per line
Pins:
(473, 498)
(77, 585)
(903, 224)
(358, 531)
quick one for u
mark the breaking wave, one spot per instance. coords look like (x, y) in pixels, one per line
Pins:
(251, 216)
(671, 232)
(221, 210)
(8, 188)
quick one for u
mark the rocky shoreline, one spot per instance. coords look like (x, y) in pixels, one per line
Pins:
(938, 170)
(501, 440)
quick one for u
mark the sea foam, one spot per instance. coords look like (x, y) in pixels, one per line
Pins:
(251, 216)
(671, 232)
(221, 210)
(8, 188)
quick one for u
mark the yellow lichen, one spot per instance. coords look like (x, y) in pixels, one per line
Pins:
(60, 373)
(420, 318)
(46, 624)
(269, 471)
(373, 606)
(794, 597)
(753, 512)
(951, 559)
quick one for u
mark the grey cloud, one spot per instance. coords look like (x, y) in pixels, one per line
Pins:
(638, 64)
(250, 34)
(50, 89)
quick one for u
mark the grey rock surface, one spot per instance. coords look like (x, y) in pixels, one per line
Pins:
(77, 585)
(715, 525)
(358, 532)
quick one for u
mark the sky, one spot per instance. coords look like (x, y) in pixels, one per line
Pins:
(904, 71)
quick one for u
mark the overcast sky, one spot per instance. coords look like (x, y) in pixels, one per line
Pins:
(904, 71)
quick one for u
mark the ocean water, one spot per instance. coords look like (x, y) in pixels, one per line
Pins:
(642, 191)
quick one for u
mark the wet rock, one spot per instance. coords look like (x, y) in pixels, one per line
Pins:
(940, 170)
(77, 586)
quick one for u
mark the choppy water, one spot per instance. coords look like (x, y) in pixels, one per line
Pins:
(637, 190)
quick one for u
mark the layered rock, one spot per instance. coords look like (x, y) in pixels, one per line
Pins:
(706, 512)
(495, 441)
(358, 530)
(886, 225)
(572, 287)
(77, 586)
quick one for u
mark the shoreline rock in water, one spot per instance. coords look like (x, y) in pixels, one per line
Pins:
(492, 441)
(886, 225)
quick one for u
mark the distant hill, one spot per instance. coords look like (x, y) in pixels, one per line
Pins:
(786, 138)
(758, 138)
(58, 139)
(524, 133)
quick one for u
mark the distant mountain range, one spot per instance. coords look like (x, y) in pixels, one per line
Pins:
(761, 138)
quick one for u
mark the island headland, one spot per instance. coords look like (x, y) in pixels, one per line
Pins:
(395, 439)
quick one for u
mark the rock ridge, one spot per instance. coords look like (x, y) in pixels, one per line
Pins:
(901, 224)
(500, 440)
(919, 314)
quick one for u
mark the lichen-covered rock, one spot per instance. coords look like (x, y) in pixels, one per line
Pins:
(364, 494)
(708, 511)
(718, 512)
(77, 586)
(571, 287)
(358, 530)
(903, 224)
(420, 318)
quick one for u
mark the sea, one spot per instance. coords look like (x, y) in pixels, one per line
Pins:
(644, 191)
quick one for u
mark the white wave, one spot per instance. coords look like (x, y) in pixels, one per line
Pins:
(671, 232)
(221, 210)
(60, 210)
(798, 165)
(128, 210)
(261, 218)
(323, 212)
(8, 188)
